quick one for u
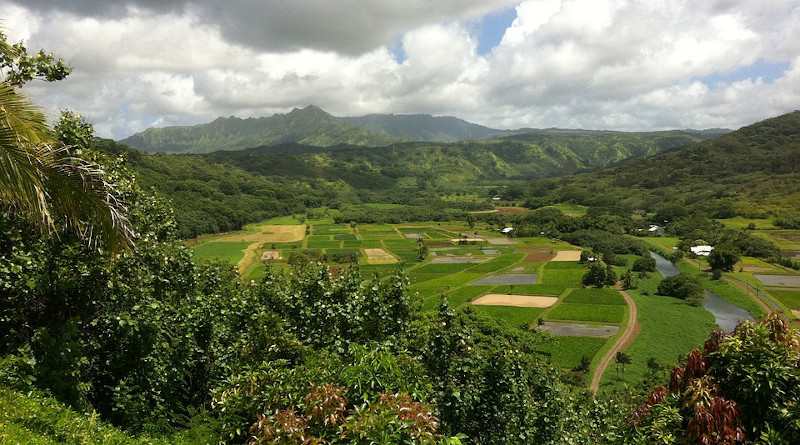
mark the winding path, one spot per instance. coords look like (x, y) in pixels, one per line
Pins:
(632, 328)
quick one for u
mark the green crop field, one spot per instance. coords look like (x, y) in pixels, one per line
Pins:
(566, 352)
(587, 312)
(531, 289)
(230, 251)
(595, 296)
(444, 268)
(515, 316)
(324, 244)
(556, 273)
(790, 298)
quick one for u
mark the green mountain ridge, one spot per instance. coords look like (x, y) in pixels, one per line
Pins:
(753, 171)
(310, 126)
(536, 154)
(314, 127)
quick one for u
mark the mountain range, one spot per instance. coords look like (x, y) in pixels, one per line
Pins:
(313, 126)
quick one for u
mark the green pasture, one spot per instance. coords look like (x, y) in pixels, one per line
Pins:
(566, 352)
(790, 298)
(324, 244)
(598, 313)
(669, 328)
(743, 223)
(515, 316)
(496, 264)
(785, 239)
(229, 251)
(563, 272)
(444, 267)
(595, 296)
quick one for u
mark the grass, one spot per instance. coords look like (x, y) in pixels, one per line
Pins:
(324, 244)
(742, 223)
(595, 296)
(587, 312)
(444, 268)
(531, 289)
(566, 352)
(790, 298)
(498, 263)
(36, 420)
(669, 328)
(229, 251)
(462, 295)
(515, 316)
(559, 275)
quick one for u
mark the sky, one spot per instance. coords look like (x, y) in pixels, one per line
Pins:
(612, 64)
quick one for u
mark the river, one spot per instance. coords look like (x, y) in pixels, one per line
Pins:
(727, 315)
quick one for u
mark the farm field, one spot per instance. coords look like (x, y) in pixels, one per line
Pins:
(484, 266)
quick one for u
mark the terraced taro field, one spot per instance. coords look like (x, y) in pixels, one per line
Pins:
(530, 283)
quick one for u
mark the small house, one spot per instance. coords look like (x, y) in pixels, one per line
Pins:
(701, 250)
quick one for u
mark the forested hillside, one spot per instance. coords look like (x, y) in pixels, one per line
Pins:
(753, 172)
(531, 155)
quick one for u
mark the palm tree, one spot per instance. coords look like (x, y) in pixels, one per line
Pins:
(56, 191)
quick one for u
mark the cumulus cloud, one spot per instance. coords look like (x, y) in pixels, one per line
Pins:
(345, 26)
(620, 64)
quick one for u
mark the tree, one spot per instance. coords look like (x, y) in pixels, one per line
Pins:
(622, 359)
(724, 257)
(595, 276)
(628, 281)
(39, 177)
(599, 275)
(644, 264)
(681, 286)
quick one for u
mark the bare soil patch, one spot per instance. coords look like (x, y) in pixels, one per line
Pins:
(506, 279)
(579, 329)
(536, 249)
(456, 260)
(269, 255)
(270, 234)
(511, 210)
(414, 235)
(436, 243)
(538, 257)
(379, 256)
(490, 252)
(502, 241)
(568, 255)
(515, 300)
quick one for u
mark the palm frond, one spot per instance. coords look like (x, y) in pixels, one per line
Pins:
(57, 191)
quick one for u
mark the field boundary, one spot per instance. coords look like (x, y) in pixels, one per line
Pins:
(632, 329)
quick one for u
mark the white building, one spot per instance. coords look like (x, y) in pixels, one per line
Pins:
(701, 250)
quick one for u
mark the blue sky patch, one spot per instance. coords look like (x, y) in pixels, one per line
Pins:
(492, 27)
(768, 71)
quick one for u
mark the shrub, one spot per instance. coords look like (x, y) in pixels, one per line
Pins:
(644, 264)
(681, 286)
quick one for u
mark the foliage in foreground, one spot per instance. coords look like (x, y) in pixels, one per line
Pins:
(742, 387)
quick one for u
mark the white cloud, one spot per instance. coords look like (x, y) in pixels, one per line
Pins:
(619, 64)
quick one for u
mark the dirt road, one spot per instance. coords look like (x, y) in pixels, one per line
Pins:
(632, 328)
